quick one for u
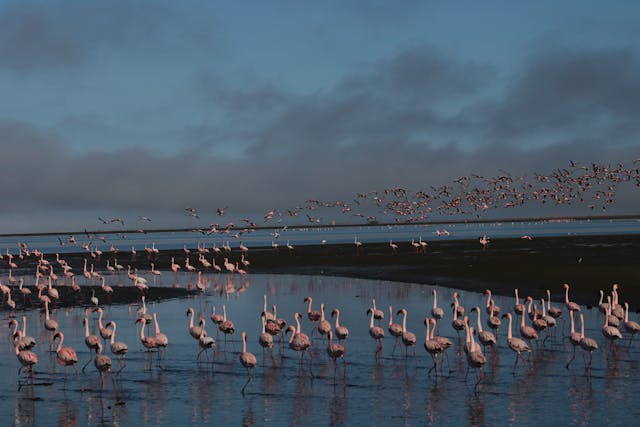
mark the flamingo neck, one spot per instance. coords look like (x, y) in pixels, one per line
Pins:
(479, 323)
(404, 322)
(509, 335)
(435, 299)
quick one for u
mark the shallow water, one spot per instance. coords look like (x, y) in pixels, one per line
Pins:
(331, 235)
(392, 391)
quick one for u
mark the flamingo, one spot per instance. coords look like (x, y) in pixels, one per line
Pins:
(341, 332)
(247, 359)
(516, 344)
(460, 308)
(299, 341)
(226, 327)
(265, 339)
(313, 315)
(174, 267)
(493, 321)
(485, 337)
(602, 306)
(377, 313)
(574, 338)
(395, 329)
(475, 358)
(335, 351)
(518, 308)
(106, 288)
(436, 312)
(554, 312)
(570, 304)
(376, 332)
(105, 332)
(631, 326)
(611, 333)
(91, 341)
(194, 331)
(408, 338)
(527, 331)
(26, 292)
(119, 348)
(458, 324)
(66, 356)
(586, 343)
(204, 341)
(433, 347)
(27, 359)
(50, 325)
(20, 338)
(103, 364)
(492, 310)
(323, 325)
(162, 341)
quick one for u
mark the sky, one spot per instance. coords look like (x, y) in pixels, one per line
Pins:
(143, 108)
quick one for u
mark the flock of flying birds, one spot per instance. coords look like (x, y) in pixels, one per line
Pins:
(592, 185)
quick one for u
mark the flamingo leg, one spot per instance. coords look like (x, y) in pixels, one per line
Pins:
(573, 356)
(248, 381)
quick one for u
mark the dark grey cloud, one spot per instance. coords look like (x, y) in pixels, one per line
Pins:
(569, 91)
(62, 34)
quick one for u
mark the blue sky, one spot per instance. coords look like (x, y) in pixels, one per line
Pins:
(143, 108)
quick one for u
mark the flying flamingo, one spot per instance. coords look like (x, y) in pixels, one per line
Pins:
(516, 344)
(247, 359)
(66, 356)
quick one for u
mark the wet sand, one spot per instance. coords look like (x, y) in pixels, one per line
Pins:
(586, 263)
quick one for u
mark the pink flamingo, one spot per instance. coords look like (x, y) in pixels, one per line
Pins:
(119, 348)
(516, 344)
(341, 332)
(485, 337)
(323, 325)
(395, 329)
(335, 351)
(66, 356)
(376, 332)
(27, 359)
(247, 359)
(91, 341)
(587, 344)
(408, 338)
(570, 304)
(631, 326)
(574, 338)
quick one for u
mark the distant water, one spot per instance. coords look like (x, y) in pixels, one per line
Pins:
(329, 235)
(393, 391)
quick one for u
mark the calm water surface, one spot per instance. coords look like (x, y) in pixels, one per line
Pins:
(391, 391)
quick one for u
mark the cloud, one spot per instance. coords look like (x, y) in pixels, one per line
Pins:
(565, 91)
(64, 34)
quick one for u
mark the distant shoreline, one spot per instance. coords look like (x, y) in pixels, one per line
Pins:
(337, 225)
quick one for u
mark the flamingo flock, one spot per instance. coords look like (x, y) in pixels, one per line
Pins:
(536, 324)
